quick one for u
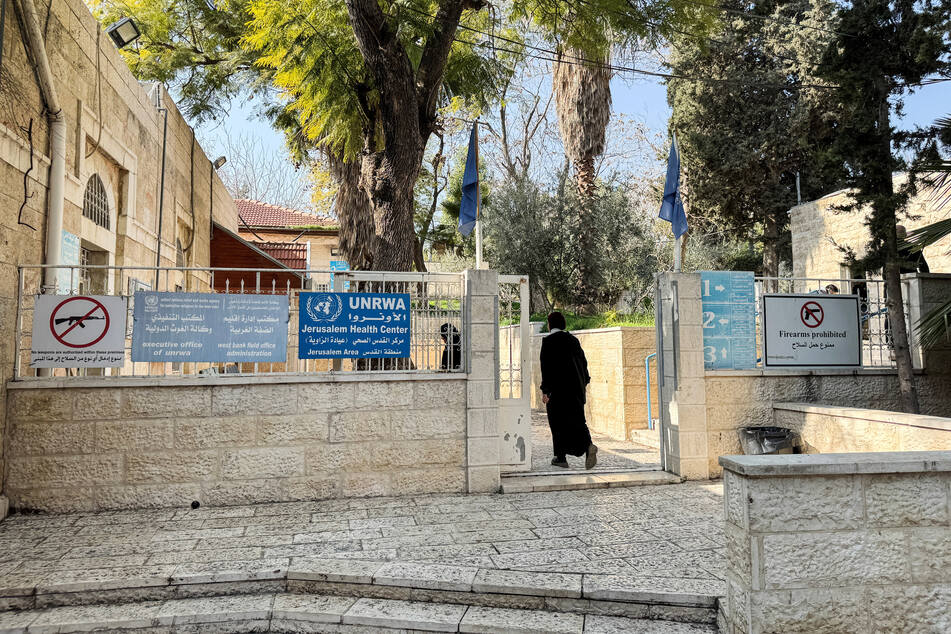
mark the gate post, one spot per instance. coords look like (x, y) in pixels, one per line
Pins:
(683, 388)
(482, 416)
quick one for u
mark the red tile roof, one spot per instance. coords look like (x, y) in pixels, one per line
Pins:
(292, 254)
(258, 214)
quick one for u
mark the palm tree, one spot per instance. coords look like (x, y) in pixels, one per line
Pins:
(583, 102)
(357, 226)
(936, 325)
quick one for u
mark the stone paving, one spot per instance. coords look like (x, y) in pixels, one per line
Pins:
(613, 454)
(600, 544)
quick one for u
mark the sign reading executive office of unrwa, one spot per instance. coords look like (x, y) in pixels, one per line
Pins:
(78, 331)
(354, 326)
(811, 331)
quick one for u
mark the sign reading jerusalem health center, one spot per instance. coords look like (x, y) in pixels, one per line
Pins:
(354, 326)
(210, 327)
(78, 331)
(820, 331)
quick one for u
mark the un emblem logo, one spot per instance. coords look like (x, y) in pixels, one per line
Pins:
(151, 300)
(324, 306)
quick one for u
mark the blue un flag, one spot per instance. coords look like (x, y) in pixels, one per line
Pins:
(672, 207)
(469, 207)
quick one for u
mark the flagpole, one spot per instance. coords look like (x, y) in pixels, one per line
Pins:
(478, 222)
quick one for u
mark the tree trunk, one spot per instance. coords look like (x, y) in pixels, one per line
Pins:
(884, 223)
(388, 179)
(405, 117)
(771, 244)
(896, 312)
(357, 231)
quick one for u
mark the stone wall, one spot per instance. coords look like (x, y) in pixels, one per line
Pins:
(828, 429)
(617, 395)
(95, 444)
(120, 140)
(704, 409)
(737, 399)
(819, 234)
(833, 543)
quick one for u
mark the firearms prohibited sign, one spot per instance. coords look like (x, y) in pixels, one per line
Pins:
(78, 331)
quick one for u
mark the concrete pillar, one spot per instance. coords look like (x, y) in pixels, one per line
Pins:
(482, 416)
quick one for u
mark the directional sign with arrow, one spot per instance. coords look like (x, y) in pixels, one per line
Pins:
(729, 319)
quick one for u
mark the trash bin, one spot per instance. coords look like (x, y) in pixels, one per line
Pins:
(768, 440)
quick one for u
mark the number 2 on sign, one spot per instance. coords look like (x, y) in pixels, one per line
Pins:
(708, 320)
(709, 354)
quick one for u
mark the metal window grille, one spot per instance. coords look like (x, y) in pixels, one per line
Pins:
(95, 202)
(179, 254)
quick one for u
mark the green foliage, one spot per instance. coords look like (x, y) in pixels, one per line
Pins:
(529, 231)
(745, 134)
(606, 319)
(192, 45)
(898, 42)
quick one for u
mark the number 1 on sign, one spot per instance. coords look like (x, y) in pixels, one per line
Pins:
(706, 288)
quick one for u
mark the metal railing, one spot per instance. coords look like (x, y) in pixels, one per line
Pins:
(436, 308)
(877, 345)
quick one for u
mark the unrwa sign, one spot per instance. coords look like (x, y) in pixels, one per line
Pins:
(354, 326)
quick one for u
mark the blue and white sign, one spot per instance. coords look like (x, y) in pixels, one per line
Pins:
(729, 320)
(211, 327)
(339, 265)
(354, 326)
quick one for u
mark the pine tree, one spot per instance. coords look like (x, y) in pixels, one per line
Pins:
(883, 47)
(760, 119)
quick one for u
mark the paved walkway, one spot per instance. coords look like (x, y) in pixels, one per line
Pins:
(613, 454)
(657, 538)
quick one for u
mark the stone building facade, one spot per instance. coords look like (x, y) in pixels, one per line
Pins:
(822, 236)
(115, 129)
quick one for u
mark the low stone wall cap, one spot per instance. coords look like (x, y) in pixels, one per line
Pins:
(838, 463)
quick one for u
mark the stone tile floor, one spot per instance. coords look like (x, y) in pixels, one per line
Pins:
(657, 538)
(613, 454)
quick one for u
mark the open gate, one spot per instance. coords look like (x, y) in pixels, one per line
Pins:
(514, 374)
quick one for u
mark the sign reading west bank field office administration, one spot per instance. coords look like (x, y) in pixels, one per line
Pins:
(209, 327)
(814, 330)
(78, 331)
(354, 326)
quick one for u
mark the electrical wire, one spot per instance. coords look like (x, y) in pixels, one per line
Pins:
(549, 55)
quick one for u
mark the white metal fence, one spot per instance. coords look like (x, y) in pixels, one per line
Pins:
(877, 345)
(436, 308)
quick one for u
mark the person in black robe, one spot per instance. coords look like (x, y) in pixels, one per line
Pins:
(452, 352)
(564, 379)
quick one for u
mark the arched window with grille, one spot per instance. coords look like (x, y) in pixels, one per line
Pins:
(95, 202)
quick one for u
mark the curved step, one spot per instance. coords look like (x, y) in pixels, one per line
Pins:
(686, 600)
(291, 612)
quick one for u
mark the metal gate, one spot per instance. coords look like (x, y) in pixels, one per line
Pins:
(515, 374)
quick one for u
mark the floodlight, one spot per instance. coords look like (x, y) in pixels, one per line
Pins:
(123, 32)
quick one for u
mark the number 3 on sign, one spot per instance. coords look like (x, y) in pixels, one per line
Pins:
(709, 354)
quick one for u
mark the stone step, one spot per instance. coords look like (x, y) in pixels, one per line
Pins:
(293, 612)
(534, 483)
(646, 437)
(684, 600)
